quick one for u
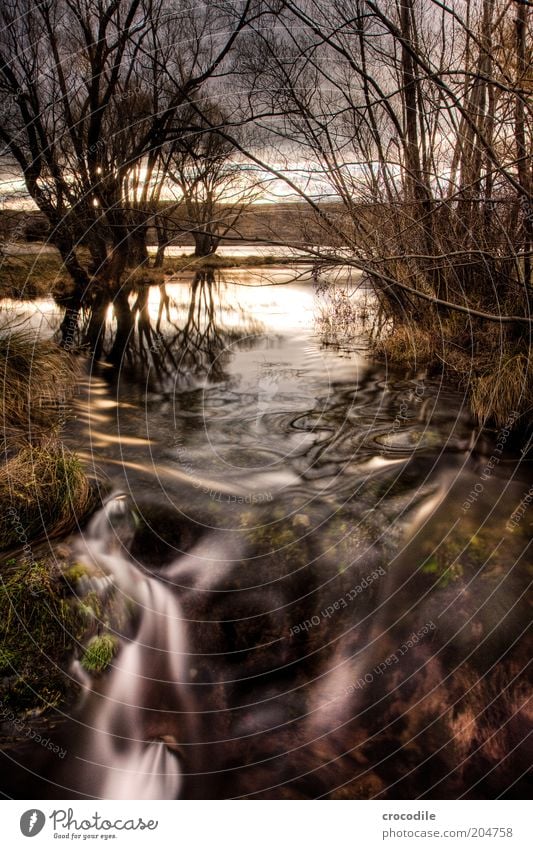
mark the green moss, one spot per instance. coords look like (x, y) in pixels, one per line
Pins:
(75, 572)
(445, 569)
(90, 608)
(430, 567)
(99, 653)
(39, 626)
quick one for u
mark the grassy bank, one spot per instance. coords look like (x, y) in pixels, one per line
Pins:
(490, 363)
(32, 275)
(51, 613)
(44, 494)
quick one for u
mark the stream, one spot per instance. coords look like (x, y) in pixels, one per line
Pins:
(308, 559)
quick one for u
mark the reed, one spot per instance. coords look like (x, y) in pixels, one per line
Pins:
(44, 491)
(493, 368)
(37, 380)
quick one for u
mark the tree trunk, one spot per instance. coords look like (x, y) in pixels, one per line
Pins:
(162, 243)
(163, 237)
(522, 157)
(160, 256)
(205, 244)
(137, 250)
(94, 336)
(74, 301)
(417, 190)
(124, 318)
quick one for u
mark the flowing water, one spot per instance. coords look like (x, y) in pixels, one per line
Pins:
(308, 559)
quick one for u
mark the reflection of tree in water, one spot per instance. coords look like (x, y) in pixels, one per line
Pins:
(183, 340)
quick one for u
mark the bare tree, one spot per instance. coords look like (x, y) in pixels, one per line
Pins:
(416, 117)
(91, 89)
(212, 187)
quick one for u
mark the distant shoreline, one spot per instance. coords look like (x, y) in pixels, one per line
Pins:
(29, 271)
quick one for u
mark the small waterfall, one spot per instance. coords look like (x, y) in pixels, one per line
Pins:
(145, 771)
(131, 715)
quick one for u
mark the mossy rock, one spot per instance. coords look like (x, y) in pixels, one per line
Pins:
(76, 572)
(447, 571)
(99, 653)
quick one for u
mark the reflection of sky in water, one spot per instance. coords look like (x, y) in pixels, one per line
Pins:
(248, 400)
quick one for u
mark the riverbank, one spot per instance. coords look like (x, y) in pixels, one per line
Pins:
(44, 495)
(490, 364)
(38, 271)
(487, 361)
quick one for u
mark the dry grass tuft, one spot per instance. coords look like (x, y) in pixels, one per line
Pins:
(496, 373)
(43, 488)
(37, 380)
(504, 388)
(43, 492)
(407, 345)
